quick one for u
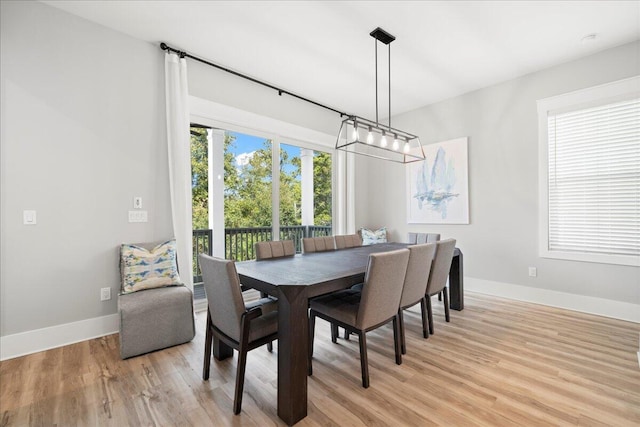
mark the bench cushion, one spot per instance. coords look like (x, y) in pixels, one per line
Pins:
(154, 319)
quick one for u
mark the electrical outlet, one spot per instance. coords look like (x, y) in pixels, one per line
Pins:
(29, 217)
(138, 216)
(105, 294)
(533, 272)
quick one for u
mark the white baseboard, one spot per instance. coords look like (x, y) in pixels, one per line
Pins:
(600, 306)
(57, 336)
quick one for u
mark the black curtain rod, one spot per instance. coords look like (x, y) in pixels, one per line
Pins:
(280, 91)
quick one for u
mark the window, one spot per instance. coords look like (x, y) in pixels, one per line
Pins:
(305, 193)
(590, 174)
(227, 127)
(249, 168)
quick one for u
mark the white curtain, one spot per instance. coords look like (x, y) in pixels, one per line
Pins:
(178, 139)
(351, 194)
(346, 220)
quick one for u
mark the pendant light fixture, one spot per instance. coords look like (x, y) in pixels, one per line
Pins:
(374, 139)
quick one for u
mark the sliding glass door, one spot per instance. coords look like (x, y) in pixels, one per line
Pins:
(271, 190)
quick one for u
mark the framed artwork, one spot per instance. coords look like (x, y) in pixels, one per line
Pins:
(438, 187)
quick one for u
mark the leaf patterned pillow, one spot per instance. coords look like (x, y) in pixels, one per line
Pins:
(372, 237)
(146, 269)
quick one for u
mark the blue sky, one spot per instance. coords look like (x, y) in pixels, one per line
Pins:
(245, 144)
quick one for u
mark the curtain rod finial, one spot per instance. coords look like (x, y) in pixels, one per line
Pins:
(164, 46)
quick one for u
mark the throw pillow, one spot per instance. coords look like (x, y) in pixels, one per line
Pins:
(372, 237)
(146, 269)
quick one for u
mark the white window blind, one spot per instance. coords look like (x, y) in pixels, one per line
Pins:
(594, 179)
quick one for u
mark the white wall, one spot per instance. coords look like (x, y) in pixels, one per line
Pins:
(82, 112)
(500, 243)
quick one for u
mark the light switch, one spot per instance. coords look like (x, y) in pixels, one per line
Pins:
(137, 202)
(29, 217)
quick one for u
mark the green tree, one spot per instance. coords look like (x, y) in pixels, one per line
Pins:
(247, 193)
(322, 188)
(199, 178)
(290, 190)
(248, 189)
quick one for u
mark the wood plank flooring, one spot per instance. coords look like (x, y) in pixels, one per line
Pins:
(499, 362)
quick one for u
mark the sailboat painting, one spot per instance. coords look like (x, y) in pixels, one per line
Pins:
(438, 187)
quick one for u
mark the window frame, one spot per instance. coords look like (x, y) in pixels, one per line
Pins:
(572, 101)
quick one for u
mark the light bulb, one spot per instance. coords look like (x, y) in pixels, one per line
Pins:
(396, 144)
(383, 140)
(406, 147)
(370, 137)
(355, 135)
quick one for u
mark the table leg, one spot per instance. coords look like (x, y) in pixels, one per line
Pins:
(456, 282)
(293, 342)
(221, 351)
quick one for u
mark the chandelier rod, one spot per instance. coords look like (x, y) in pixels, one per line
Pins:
(389, 84)
(382, 36)
(375, 45)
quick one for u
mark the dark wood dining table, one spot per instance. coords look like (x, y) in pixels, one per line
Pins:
(294, 280)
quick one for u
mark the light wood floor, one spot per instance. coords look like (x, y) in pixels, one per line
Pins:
(498, 362)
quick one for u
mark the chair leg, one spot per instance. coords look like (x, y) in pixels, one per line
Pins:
(445, 292)
(430, 314)
(334, 333)
(243, 349)
(270, 347)
(396, 339)
(425, 323)
(364, 362)
(439, 296)
(346, 335)
(242, 363)
(312, 330)
(208, 343)
(402, 332)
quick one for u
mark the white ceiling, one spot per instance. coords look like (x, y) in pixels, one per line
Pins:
(322, 49)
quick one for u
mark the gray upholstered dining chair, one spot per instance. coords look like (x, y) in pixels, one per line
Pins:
(438, 277)
(241, 326)
(361, 312)
(415, 285)
(420, 238)
(348, 241)
(318, 244)
(274, 249)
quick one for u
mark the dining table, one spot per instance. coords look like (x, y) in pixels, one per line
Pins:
(294, 281)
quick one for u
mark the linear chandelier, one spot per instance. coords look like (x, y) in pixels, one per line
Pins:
(374, 139)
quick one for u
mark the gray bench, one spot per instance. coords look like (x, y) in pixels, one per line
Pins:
(154, 319)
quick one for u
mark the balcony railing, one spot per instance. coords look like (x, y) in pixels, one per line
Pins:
(202, 244)
(239, 242)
